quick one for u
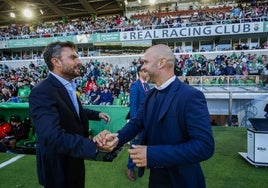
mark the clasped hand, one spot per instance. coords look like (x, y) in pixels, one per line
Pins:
(106, 140)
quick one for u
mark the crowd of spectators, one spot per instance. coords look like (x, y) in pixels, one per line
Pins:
(236, 64)
(99, 86)
(240, 13)
(107, 84)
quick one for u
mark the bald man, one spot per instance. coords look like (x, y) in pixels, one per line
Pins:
(175, 127)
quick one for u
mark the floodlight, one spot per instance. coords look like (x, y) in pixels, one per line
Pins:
(152, 2)
(12, 15)
(27, 13)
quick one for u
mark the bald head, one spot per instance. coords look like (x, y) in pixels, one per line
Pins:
(161, 51)
(159, 63)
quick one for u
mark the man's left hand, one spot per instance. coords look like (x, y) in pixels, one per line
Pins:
(138, 155)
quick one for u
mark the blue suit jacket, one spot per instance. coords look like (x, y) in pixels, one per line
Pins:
(62, 136)
(181, 138)
(137, 95)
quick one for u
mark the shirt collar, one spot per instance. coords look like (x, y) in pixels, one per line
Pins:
(142, 81)
(166, 84)
(63, 81)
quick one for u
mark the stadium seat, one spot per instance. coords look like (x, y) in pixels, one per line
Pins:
(117, 101)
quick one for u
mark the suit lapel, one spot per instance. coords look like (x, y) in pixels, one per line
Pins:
(67, 99)
(63, 93)
(141, 86)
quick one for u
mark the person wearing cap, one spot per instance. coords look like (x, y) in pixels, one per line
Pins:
(60, 121)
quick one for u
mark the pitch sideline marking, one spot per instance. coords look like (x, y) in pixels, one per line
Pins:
(12, 160)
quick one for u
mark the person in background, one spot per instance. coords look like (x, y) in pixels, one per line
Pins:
(60, 121)
(106, 97)
(18, 131)
(125, 98)
(24, 91)
(14, 131)
(175, 128)
(79, 90)
(89, 84)
(5, 95)
(137, 95)
(95, 96)
(266, 111)
(5, 127)
(229, 69)
(84, 98)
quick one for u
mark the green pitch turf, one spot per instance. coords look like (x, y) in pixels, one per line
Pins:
(226, 169)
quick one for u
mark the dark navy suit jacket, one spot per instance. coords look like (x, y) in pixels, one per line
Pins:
(62, 135)
(181, 137)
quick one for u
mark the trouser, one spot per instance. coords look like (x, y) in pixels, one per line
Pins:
(159, 178)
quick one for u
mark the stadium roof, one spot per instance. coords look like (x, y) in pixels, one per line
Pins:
(49, 10)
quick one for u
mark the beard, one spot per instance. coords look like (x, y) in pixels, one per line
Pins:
(71, 72)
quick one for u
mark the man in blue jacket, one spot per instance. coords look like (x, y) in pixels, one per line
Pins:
(175, 125)
(137, 95)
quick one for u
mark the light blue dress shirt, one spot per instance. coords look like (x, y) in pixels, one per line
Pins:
(71, 88)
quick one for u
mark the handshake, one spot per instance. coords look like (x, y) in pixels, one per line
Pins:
(106, 140)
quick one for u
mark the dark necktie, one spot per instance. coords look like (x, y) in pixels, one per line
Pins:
(145, 86)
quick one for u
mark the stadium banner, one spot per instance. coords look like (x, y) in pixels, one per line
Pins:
(265, 27)
(138, 43)
(197, 31)
(105, 37)
(78, 39)
(107, 44)
(3, 44)
(19, 43)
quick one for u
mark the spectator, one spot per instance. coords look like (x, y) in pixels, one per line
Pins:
(5, 128)
(229, 69)
(95, 96)
(24, 91)
(5, 95)
(18, 132)
(266, 111)
(211, 68)
(84, 98)
(90, 84)
(244, 68)
(106, 97)
(79, 90)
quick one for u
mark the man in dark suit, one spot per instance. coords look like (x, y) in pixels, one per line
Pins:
(175, 125)
(137, 95)
(60, 121)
